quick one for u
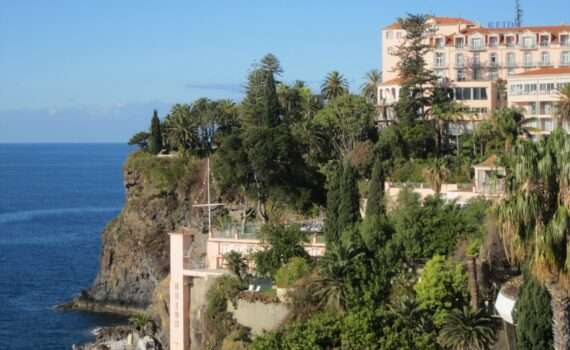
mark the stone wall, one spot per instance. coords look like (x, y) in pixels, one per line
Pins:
(258, 316)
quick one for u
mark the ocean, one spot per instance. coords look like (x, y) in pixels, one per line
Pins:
(55, 200)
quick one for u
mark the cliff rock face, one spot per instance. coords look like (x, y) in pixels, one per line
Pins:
(135, 246)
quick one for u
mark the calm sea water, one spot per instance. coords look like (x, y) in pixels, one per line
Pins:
(55, 200)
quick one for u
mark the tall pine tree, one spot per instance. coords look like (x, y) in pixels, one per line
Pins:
(349, 206)
(533, 316)
(375, 204)
(417, 79)
(155, 145)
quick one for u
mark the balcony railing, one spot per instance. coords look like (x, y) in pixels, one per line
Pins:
(529, 65)
(511, 64)
(480, 47)
(545, 64)
(527, 46)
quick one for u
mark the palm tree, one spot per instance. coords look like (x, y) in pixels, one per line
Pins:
(444, 110)
(511, 124)
(370, 87)
(563, 106)
(335, 273)
(534, 220)
(237, 264)
(467, 330)
(335, 85)
(181, 129)
(436, 173)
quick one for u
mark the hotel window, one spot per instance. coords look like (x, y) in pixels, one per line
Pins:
(547, 108)
(544, 40)
(459, 43)
(548, 124)
(511, 71)
(439, 43)
(565, 40)
(493, 74)
(527, 59)
(460, 75)
(439, 59)
(532, 108)
(479, 93)
(545, 59)
(565, 59)
(528, 42)
(477, 43)
(459, 60)
(493, 59)
(493, 41)
(510, 41)
(398, 35)
(511, 62)
(389, 35)
(477, 74)
(476, 59)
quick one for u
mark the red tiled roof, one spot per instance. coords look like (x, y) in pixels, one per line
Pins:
(443, 21)
(395, 81)
(546, 71)
(537, 29)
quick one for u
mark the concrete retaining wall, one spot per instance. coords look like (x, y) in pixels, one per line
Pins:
(259, 316)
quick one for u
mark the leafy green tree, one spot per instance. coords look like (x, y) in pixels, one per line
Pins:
(444, 110)
(441, 288)
(335, 85)
(349, 205)
(237, 264)
(534, 220)
(370, 87)
(282, 244)
(293, 270)
(346, 121)
(563, 106)
(466, 329)
(510, 125)
(140, 139)
(436, 173)
(155, 144)
(375, 205)
(424, 230)
(533, 316)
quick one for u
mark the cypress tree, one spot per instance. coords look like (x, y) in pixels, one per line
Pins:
(349, 206)
(333, 199)
(533, 316)
(155, 134)
(375, 204)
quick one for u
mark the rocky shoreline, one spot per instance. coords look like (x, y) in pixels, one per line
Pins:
(134, 263)
(85, 303)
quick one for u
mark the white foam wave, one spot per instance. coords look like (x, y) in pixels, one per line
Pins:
(17, 216)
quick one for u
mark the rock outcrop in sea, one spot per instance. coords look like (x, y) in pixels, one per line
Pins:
(134, 262)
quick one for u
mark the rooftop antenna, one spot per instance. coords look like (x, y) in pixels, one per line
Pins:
(518, 14)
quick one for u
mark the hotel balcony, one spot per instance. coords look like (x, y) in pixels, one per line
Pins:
(528, 47)
(477, 47)
(545, 64)
(529, 65)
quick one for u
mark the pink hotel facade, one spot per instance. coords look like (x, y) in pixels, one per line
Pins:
(534, 62)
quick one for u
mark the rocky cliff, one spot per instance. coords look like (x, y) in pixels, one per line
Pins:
(134, 259)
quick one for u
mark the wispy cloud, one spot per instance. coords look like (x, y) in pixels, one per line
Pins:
(227, 87)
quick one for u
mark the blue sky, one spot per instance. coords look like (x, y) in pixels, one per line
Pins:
(93, 70)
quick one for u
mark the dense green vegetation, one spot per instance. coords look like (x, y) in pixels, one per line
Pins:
(395, 277)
